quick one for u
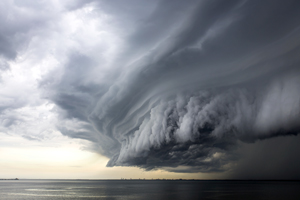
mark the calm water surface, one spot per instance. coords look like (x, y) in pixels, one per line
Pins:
(117, 189)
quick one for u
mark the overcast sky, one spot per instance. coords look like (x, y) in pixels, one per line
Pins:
(192, 89)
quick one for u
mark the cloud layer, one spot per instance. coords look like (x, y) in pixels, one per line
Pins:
(161, 84)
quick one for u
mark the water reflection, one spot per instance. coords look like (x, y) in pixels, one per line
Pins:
(175, 190)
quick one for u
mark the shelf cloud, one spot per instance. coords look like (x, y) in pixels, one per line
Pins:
(177, 85)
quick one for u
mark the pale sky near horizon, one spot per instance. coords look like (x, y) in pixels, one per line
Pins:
(199, 89)
(67, 160)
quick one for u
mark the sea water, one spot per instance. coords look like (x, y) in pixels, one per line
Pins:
(147, 189)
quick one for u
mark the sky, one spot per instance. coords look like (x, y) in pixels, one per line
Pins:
(101, 89)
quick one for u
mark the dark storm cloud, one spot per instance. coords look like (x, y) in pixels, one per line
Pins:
(72, 91)
(195, 78)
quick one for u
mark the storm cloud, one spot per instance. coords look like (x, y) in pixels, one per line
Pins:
(177, 85)
(206, 75)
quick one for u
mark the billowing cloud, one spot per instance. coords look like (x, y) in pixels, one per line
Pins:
(167, 84)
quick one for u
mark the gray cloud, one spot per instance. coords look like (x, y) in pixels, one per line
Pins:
(195, 80)
(19, 20)
(182, 86)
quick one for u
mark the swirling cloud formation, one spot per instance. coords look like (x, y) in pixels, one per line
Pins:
(167, 84)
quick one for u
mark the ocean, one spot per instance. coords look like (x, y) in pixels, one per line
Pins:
(148, 189)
